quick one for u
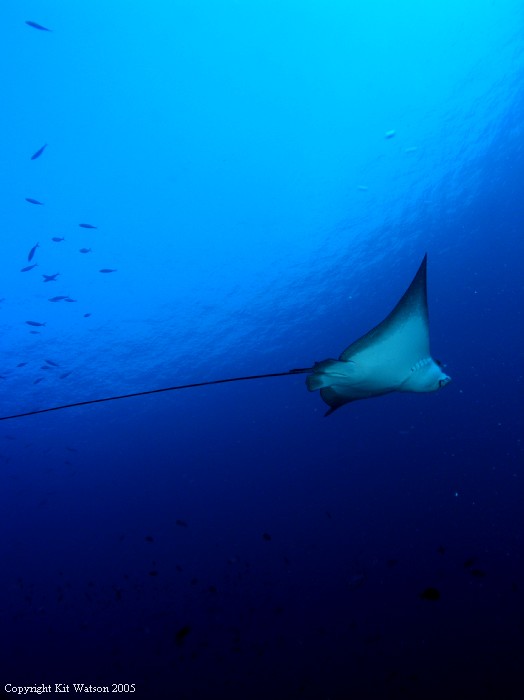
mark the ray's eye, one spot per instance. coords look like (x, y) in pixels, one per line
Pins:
(439, 363)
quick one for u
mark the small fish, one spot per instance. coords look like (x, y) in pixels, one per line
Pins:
(37, 381)
(430, 594)
(21, 364)
(64, 375)
(182, 634)
(45, 367)
(37, 26)
(87, 226)
(390, 134)
(53, 364)
(29, 267)
(57, 239)
(69, 299)
(59, 298)
(32, 252)
(50, 278)
(107, 269)
(35, 323)
(477, 573)
(35, 332)
(38, 153)
(85, 250)
(33, 201)
(87, 315)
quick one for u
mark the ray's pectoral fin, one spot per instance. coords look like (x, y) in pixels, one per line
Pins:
(393, 356)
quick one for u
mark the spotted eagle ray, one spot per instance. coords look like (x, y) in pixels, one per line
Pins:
(393, 356)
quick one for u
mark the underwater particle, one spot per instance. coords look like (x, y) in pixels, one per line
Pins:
(107, 269)
(84, 250)
(266, 536)
(181, 634)
(390, 134)
(356, 581)
(29, 267)
(391, 563)
(411, 149)
(149, 538)
(32, 252)
(35, 323)
(212, 589)
(86, 226)
(362, 188)
(38, 153)
(469, 562)
(179, 568)
(57, 239)
(194, 581)
(441, 550)
(50, 278)
(35, 25)
(153, 572)
(34, 201)
(430, 594)
(53, 364)
(58, 298)
(181, 523)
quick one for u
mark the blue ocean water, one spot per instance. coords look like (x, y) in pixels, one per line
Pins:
(264, 179)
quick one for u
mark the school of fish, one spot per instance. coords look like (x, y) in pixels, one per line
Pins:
(39, 249)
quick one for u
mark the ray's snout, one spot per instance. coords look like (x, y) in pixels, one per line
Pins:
(444, 381)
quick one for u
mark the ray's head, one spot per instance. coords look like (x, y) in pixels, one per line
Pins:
(443, 379)
(426, 375)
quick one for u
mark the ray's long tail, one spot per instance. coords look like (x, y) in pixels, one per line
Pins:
(157, 391)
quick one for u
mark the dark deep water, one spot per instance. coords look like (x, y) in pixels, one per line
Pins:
(229, 541)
